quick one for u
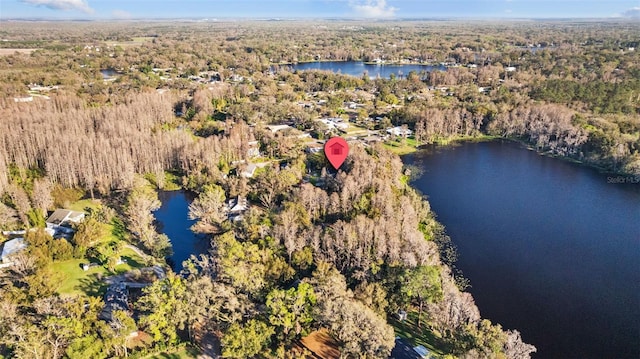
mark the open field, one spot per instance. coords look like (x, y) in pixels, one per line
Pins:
(77, 281)
(409, 330)
(84, 204)
(186, 353)
(402, 146)
(135, 41)
(7, 52)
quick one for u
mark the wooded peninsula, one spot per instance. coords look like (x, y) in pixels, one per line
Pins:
(304, 261)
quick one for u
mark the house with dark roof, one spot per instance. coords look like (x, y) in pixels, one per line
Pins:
(403, 350)
(116, 298)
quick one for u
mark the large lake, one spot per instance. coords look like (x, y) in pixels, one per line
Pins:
(359, 68)
(551, 248)
(173, 221)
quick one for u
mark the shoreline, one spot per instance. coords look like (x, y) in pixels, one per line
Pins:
(392, 63)
(488, 138)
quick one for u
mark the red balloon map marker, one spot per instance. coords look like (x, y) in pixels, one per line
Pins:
(336, 150)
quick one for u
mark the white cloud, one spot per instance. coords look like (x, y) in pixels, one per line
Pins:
(121, 14)
(373, 8)
(633, 13)
(81, 5)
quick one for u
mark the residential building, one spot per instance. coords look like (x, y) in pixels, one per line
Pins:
(276, 128)
(61, 221)
(399, 131)
(11, 247)
(63, 217)
(249, 171)
(116, 298)
(236, 208)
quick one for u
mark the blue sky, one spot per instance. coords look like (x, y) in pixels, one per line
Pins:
(122, 9)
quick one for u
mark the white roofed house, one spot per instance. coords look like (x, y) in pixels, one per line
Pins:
(335, 123)
(236, 207)
(61, 220)
(249, 171)
(254, 149)
(9, 248)
(276, 128)
(315, 147)
(23, 99)
(399, 131)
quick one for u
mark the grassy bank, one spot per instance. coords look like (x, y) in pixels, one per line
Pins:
(458, 139)
(408, 330)
(402, 146)
(188, 352)
(597, 166)
(410, 146)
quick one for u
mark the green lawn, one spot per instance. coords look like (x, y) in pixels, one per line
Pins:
(142, 39)
(77, 281)
(402, 146)
(455, 139)
(133, 260)
(409, 330)
(186, 353)
(135, 41)
(356, 130)
(171, 181)
(83, 204)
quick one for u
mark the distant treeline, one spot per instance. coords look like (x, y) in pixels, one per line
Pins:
(598, 96)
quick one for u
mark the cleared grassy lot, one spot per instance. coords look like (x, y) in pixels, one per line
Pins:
(75, 280)
(186, 353)
(408, 329)
(402, 146)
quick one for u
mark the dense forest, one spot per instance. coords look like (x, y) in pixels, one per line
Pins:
(100, 116)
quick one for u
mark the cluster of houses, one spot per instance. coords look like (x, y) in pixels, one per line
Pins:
(58, 225)
(336, 123)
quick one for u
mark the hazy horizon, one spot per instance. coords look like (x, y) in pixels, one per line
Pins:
(317, 9)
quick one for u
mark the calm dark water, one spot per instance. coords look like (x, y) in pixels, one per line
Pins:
(173, 221)
(551, 248)
(358, 68)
